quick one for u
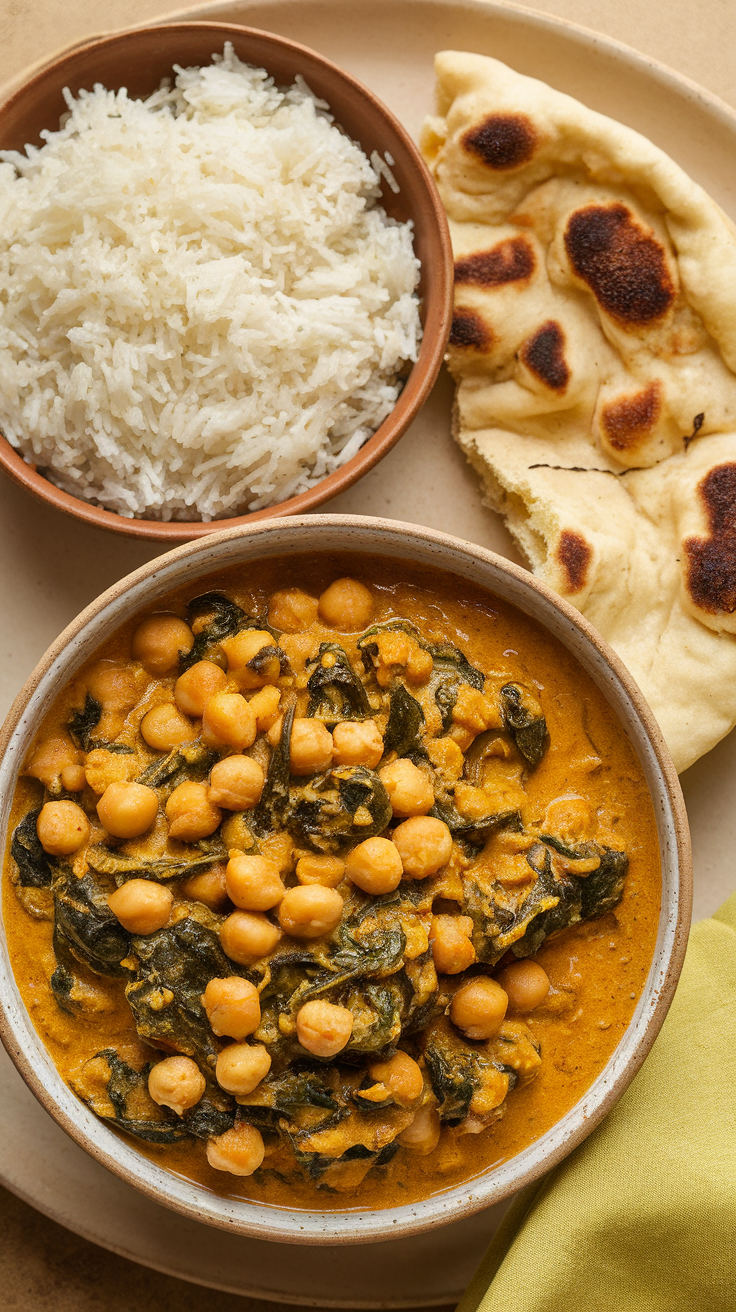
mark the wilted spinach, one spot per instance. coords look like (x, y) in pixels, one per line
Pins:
(34, 867)
(525, 722)
(335, 691)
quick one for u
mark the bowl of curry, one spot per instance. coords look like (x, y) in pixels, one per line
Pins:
(346, 884)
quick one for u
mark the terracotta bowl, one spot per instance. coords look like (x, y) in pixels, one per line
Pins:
(138, 60)
(399, 542)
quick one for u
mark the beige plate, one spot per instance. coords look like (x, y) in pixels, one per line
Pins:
(53, 568)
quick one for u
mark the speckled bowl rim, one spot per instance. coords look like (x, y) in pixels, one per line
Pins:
(336, 533)
(419, 382)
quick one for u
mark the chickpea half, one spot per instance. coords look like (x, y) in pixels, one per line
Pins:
(409, 788)
(346, 604)
(236, 783)
(526, 983)
(401, 1075)
(196, 685)
(164, 727)
(310, 748)
(176, 1082)
(423, 1132)
(310, 910)
(253, 882)
(141, 905)
(190, 813)
(233, 1007)
(452, 950)
(127, 810)
(357, 742)
(228, 721)
(159, 641)
(62, 828)
(326, 870)
(479, 1007)
(246, 936)
(239, 1150)
(323, 1028)
(241, 1067)
(375, 866)
(424, 845)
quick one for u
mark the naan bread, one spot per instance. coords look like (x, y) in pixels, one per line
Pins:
(594, 346)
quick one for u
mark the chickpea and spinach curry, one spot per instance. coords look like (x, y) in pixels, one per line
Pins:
(320, 885)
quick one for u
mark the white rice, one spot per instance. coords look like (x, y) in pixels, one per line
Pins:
(203, 309)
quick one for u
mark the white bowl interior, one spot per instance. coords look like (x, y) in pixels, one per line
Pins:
(336, 535)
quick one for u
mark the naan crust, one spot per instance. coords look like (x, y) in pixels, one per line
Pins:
(594, 348)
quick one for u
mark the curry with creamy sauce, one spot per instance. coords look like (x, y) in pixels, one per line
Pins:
(331, 891)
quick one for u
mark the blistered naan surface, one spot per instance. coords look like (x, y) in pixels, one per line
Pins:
(594, 348)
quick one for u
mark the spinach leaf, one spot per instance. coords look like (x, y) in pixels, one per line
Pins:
(335, 691)
(451, 667)
(127, 1090)
(106, 862)
(225, 619)
(174, 966)
(525, 722)
(82, 917)
(270, 812)
(82, 723)
(405, 720)
(34, 868)
(191, 761)
(346, 803)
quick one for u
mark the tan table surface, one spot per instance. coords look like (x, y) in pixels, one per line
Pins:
(43, 1267)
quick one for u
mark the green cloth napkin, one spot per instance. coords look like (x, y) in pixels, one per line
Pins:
(642, 1216)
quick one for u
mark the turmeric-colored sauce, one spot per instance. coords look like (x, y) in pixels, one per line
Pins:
(596, 967)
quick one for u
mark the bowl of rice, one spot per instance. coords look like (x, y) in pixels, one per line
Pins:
(227, 280)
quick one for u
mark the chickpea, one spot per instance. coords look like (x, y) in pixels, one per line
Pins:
(159, 641)
(423, 1132)
(209, 887)
(239, 1151)
(228, 721)
(310, 749)
(141, 905)
(113, 686)
(452, 950)
(62, 828)
(526, 984)
(233, 1007)
(409, 788)
(401, 1075)
(176, 1082)
(50, 758)
(246, 936)
(479, 1007)
(73, 778)
(290, 610)
(196, 685)
(357, 743)
(127, 810)
(310, 910)
(329, 871)
(424, 845)
(346, 604)
(265, 706)
(164, 727)
(323, 1028)
(241, 1067)
(236, 783)
(242, 648)
(190, 813)
(375, 866)
(253, 882)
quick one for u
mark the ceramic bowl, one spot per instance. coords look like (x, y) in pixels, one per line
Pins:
(139, 59)
(336, 534)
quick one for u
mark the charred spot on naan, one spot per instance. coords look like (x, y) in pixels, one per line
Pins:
(502, 141)
(544, 355)
(711, 561)
(512, 260)
(629, 421)
(470, 331)
(625, 267)
(574, 554)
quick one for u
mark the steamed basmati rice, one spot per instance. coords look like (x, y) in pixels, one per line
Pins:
(203, 309)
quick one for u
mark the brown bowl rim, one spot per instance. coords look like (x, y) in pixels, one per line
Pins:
(419, 383)
(346, 1226)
